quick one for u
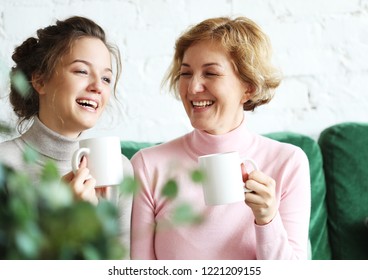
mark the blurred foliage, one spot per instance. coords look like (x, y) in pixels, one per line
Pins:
(44, 220)
(21, 84)
(5, 129)
(170, 189)
(183, 213)
(197, 176)
(129, 186)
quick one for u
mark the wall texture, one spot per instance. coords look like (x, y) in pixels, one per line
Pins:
(320, 45)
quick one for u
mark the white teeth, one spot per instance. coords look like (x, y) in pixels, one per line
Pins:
(203, 103)
(87, 103)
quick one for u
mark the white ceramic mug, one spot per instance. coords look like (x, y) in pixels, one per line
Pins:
(223, 182)
(104, 159)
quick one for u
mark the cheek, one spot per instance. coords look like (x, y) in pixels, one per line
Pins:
(181, 94)
(182, 86)
(107, 94)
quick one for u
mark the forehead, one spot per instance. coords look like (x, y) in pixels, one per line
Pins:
(206, 50)
(90, 49)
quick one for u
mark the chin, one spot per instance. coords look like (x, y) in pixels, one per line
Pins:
(87, 125)
(200, 126)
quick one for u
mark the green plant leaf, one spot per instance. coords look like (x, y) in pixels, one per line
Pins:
(55, 194)
(21, 84)
(28, 240)
(129, 185)
(30, 155)
(20, 187)
(170, 189)
(50, 172)
(2, 175)
(22, 211)
(197, 176)
(5, 128)
(107, 214)
(184, 214)
(91, 253)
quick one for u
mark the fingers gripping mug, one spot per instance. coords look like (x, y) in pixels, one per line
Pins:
(223, 181)
(104, 159)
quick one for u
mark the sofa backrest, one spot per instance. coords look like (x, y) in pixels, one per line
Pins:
(129, 148)
(345, 154)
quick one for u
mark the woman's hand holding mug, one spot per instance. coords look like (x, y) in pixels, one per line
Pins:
(225, 178)
(81, 182)
(262, 198)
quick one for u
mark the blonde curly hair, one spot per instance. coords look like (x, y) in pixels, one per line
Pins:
(248, 46)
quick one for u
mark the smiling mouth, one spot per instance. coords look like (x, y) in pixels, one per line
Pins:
(88, 103)
(202, 104)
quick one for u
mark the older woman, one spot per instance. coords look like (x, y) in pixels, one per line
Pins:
(221, 68)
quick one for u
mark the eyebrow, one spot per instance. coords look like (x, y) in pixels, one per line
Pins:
(204, 65)
(88, 63)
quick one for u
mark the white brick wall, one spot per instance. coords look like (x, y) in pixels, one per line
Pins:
(320, 45)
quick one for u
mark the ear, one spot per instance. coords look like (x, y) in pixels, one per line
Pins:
(38, 84)
(248, 93)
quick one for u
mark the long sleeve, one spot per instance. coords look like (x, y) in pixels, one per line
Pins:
(286, 236)
(125, 210)
(143, 218)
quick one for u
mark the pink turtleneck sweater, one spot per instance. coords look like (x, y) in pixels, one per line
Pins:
(227, 231)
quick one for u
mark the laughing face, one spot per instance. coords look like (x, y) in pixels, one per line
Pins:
(78, 91)
(210, 89)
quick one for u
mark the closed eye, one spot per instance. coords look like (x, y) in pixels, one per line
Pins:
(185, 74)
(84, 72)
(211, 74)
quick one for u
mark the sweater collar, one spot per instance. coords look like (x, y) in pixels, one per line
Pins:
(240, 139)
(49, 143)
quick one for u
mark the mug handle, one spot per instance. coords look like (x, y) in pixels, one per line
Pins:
(255, 166)
(77, 156)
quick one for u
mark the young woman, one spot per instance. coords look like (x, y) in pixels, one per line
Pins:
(222, 67)
(69, 70)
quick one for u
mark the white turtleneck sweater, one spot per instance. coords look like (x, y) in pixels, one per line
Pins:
(228, 231)
(52, 146)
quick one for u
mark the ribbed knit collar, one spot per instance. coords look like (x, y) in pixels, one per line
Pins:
(49, 143)
(201, 143)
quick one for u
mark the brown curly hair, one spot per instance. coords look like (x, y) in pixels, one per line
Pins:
(39, 55)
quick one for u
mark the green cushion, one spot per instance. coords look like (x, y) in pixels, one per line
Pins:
(345, 153)
(318, 232)
(129, 148)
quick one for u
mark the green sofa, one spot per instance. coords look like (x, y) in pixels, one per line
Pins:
(339, 188)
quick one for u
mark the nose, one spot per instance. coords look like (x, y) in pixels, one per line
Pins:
(196, 85)
(95, 85)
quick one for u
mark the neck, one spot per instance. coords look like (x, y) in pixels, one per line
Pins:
(58, 126)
